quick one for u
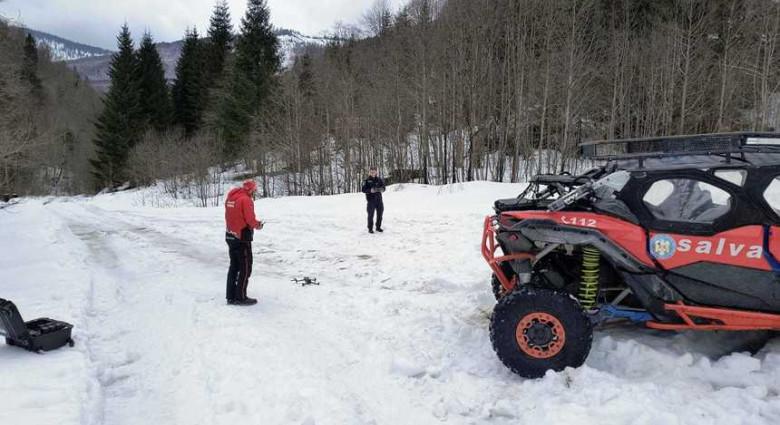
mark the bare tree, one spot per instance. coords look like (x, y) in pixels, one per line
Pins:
(378, 18)
(45, 127)
(460, 90)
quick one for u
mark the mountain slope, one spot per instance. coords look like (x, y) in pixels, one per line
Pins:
(65, 50)
(293, 43)
(95, 68)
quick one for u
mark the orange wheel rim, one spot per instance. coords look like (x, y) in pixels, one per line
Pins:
(540, 335)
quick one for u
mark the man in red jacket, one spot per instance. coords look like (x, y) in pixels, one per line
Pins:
(241, 224)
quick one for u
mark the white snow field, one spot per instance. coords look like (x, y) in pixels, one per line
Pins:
(395, 334)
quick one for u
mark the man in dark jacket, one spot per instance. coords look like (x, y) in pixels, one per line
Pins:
(241, 223)
(373, 188)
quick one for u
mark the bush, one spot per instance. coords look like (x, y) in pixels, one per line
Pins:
(186, 168)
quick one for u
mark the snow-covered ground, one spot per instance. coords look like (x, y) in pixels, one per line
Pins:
(395, 334)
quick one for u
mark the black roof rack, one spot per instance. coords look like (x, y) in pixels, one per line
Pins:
(721, 144)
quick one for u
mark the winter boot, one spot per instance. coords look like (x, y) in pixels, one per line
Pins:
(244, 302)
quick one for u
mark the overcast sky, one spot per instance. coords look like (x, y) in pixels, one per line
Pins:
(96, 22)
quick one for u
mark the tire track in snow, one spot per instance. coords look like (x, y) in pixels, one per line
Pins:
(109, 302)
(115, 327)
(269, 344)
(106, 297)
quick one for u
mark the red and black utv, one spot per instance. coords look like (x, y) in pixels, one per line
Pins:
(673, 232)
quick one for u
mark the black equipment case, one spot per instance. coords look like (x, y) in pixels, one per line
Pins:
(36, 335)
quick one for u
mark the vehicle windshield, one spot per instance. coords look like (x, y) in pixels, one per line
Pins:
(607, 187)
(605, 191)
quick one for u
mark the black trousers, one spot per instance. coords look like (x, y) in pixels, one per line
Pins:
(240, 269)
(379, 208)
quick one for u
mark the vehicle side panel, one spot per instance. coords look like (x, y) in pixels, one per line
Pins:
(742, 247)
(628, 236)
(727, 286)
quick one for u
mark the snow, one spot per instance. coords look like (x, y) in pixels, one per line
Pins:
(63, 52)
(62, 49)
(293, 43)
(395, 334)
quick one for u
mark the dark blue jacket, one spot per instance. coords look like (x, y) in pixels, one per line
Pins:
(373, 188)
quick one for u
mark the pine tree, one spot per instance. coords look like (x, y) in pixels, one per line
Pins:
(120, 125)
(153, 89)
(256, 64)
(30, 63)
(232, 118)
(220, 41)
(306, 77)
(257, 50)
(189, 91)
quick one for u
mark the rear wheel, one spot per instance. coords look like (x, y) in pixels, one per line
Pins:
(536, 330)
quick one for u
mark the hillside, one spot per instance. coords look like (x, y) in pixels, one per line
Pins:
(92, 63)
(46, 121)
(62, 49)
(95, 68)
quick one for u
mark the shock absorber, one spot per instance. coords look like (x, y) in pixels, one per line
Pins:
(589, 280)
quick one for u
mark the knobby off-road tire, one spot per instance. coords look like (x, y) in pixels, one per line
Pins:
(536, 330)
(498, 290)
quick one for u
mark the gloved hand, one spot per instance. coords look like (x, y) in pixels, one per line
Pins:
(259, 225)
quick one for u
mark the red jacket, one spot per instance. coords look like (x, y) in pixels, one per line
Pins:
(240, 214)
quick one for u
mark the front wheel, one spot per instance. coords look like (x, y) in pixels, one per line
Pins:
(536, 330)
(498, 289)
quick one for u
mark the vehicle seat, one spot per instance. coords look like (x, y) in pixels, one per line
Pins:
(689, 202)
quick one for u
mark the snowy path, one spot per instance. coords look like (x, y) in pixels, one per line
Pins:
(396, 333)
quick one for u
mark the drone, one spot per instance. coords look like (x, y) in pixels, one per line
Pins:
(306, 281)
